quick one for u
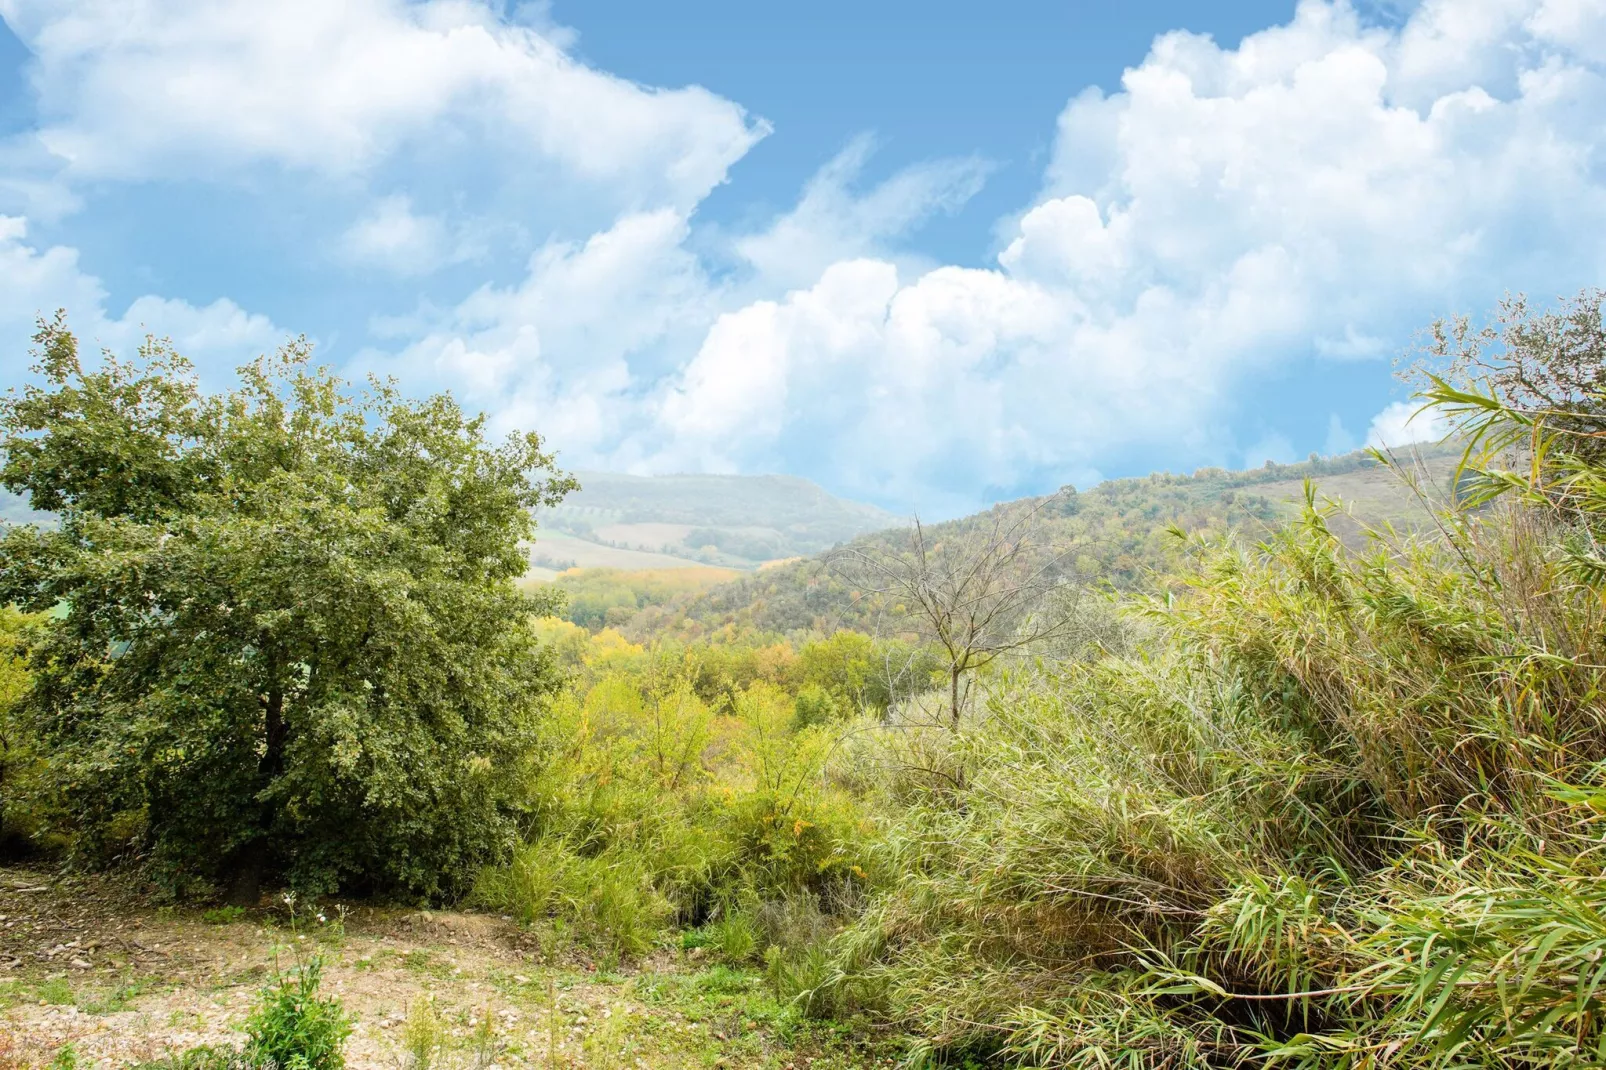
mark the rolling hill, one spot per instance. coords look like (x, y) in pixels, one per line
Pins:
(656, 522)
(1114, 534)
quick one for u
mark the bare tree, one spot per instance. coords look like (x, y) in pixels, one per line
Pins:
(979, 590)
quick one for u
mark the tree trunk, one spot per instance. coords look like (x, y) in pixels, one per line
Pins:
(250, 861)
(275, 731)
(953, 697)
(245, 882)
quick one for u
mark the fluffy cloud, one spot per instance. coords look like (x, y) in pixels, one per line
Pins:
(199, 87)
(217, 336)
(1313, 194)
(1319, 190)
(583, 341)
(1404, 423)
(568, 347)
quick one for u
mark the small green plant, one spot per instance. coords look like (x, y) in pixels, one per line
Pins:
(111, 1000)
(57, 990)
(735, 936)
(424, 1037)
(485, 1047)
(223, 915)
(800, 977)
(419, 962)
(66, 1058)
(293, 1027)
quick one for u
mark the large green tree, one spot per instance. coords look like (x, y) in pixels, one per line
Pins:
(286, 637)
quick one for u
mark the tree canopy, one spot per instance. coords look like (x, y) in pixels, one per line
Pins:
(285, 637)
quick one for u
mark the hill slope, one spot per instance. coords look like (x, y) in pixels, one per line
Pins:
(1115, 533)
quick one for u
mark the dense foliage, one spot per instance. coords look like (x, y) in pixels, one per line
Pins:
(684, 786)
(1318, 806)
(284, 633)
(598, 598)
(1329, 804)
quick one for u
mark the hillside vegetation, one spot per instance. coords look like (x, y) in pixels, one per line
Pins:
(598, 598)
(1114, 535)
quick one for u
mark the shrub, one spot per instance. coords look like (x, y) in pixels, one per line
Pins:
(1332, 803)
(609, 897)
(654, 804)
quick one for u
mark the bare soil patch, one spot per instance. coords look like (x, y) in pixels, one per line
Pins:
(97, 964)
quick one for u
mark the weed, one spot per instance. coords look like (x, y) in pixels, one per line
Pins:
(424, 1036)
(420, 961)
(226, 915)
(735, 937)
(484, 1046)
(111, 1000)
(57, 990)
(293, 1027)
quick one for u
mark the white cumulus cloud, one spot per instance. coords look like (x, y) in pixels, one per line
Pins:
(195, 88)
(398, 240)
(1318, 192)
(1405, 423)
(834, 221)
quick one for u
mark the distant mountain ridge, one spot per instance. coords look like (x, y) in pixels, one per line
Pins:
(729, 520)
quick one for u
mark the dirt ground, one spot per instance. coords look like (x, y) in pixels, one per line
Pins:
(94, 973)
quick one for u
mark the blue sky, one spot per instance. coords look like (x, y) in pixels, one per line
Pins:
(927, 254)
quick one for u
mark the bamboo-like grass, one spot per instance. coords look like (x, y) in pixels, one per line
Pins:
(1328, 808)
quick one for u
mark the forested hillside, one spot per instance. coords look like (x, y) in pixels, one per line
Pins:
(1114, 535)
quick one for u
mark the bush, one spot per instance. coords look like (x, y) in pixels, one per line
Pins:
(609, 898)
(813, 707)
(660, 801)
